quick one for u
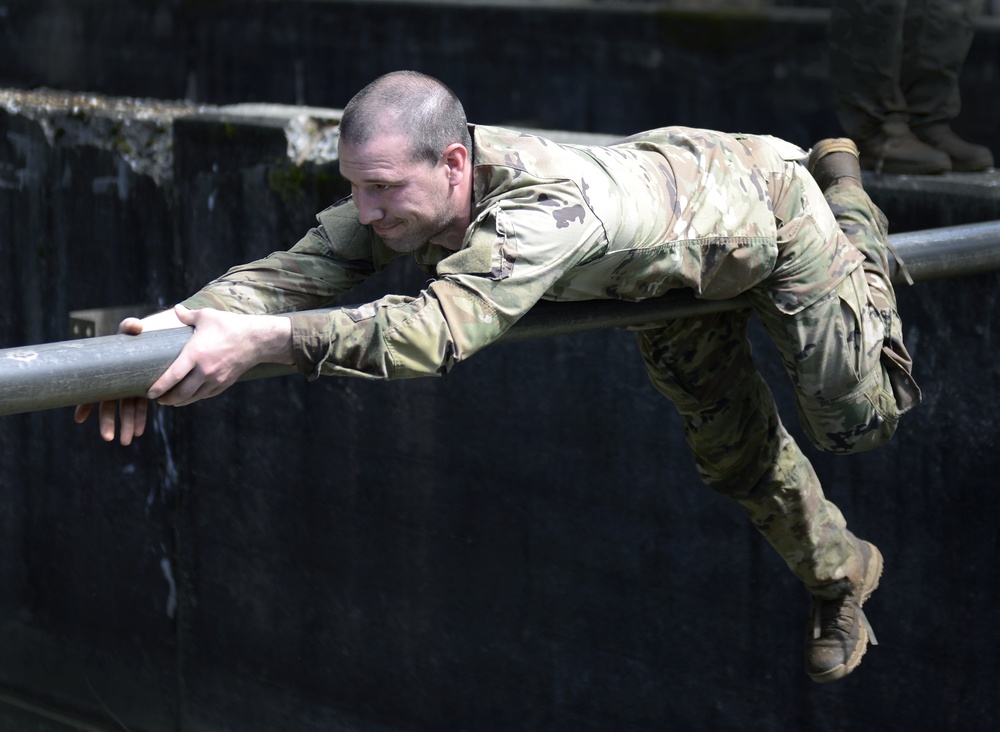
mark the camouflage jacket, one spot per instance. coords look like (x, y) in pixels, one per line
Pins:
(670, 208)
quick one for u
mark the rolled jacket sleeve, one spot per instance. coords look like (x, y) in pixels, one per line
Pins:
(514, 252)
(397, 337)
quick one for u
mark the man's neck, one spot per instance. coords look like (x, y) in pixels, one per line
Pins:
(453, 236)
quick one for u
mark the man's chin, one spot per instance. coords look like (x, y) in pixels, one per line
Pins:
(403, 239)
(403, 244)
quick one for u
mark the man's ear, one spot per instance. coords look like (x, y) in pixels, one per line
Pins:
(455, 157)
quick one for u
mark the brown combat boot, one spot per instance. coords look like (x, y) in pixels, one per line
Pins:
(965, 156)
(902, 153)
(839, 633)
(834, 159)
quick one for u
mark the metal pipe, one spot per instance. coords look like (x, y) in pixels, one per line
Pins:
(52, 375)
(952, 251)
(83, 371)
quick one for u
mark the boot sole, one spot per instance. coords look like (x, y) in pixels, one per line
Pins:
(867, 163)
(828, 171)
(828, 147)
(973, 167)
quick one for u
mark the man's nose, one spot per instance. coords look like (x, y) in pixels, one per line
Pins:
(368, 209)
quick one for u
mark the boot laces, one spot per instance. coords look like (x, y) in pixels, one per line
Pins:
(840, 615)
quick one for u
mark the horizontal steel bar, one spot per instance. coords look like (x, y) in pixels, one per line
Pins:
(64, 374)
(952, 251)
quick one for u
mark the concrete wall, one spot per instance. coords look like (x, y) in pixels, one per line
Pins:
(522, 545)
(592, 66)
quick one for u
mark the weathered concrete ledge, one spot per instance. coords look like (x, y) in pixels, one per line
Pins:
(141, 133)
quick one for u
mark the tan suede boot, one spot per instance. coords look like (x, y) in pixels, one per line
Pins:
(900, 152)
(965, 156)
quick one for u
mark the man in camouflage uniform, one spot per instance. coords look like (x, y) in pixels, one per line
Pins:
(895, 65)
(504, 219)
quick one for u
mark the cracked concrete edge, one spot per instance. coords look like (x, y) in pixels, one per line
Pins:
(140, 131)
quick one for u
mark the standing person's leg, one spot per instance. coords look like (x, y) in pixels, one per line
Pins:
(866, 44)
(937, 35)
(705, 367)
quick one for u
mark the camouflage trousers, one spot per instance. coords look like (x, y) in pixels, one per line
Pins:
(897, 62)
(850, 373)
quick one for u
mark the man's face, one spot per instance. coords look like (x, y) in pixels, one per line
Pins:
(407, 202)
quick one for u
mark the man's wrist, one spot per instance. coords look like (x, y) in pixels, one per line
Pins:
(273, 336)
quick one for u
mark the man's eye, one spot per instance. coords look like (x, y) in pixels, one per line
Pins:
(382, 187)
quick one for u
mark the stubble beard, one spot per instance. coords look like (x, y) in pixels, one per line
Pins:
(411, 240)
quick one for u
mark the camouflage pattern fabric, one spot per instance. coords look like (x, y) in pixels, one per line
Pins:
(896, 62)
(673, 208)
(850, 385)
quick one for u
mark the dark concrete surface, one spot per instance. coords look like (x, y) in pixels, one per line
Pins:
(594, 66)
(522, 545)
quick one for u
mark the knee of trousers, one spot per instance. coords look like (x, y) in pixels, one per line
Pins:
(859, 421)
(736, 484)
(734, 439)
(735, 468)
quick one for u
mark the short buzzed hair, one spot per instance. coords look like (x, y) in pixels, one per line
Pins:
(419, 106)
